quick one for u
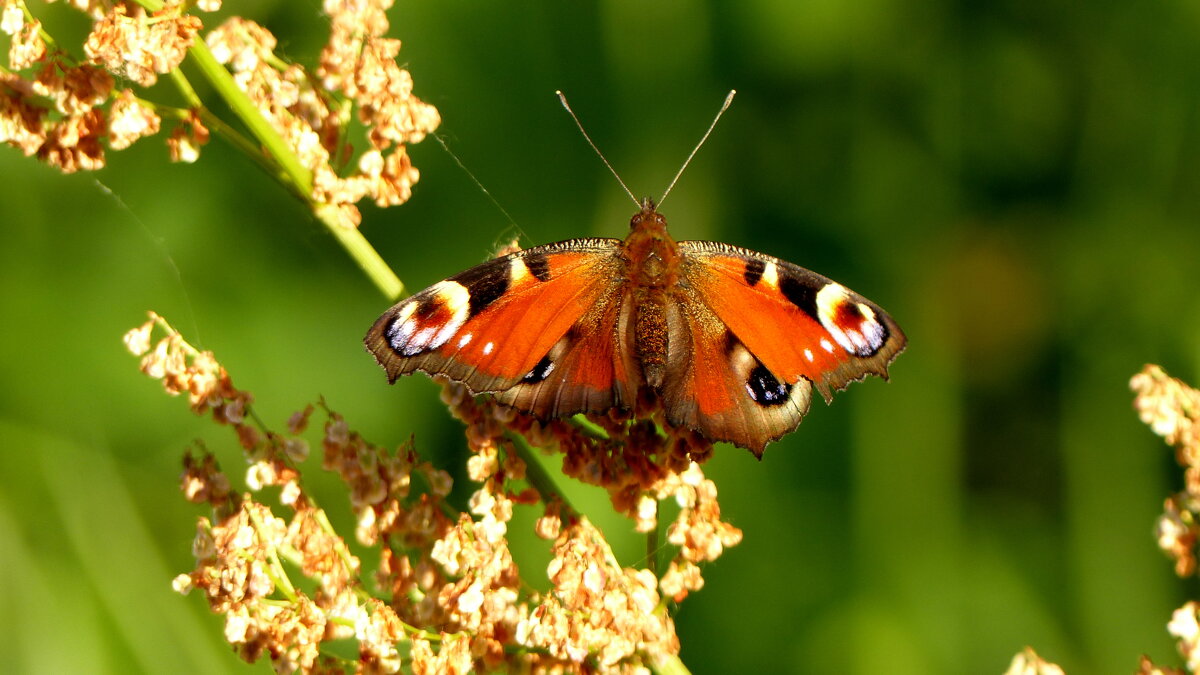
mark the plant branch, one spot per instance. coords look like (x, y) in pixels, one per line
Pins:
(538, 477)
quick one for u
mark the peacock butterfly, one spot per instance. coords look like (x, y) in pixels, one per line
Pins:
(728, 341)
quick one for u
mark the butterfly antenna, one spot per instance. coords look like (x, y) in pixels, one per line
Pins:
(442, 142)
(563, 99)
(724, 107)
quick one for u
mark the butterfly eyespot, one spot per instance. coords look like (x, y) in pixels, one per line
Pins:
(424, 324)
(400, 329)
(765, 389)
(853, 324)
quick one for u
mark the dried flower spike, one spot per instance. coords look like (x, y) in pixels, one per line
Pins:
(1027, 662)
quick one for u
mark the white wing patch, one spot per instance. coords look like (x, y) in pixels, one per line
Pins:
(770, 275)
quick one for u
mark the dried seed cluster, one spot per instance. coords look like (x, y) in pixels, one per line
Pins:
(1172, 410)
(1027, 662)
(637, 466)
(64, 109)
(449, 597)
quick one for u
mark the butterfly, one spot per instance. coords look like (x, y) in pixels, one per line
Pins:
(730, 342)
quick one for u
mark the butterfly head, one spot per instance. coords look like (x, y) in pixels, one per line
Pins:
(649, 249)
(649, 220)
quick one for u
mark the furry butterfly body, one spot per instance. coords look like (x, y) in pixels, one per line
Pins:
(730, 342)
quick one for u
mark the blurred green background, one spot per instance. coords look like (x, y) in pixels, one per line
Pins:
(1016, 182)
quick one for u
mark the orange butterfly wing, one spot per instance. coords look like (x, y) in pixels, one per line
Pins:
(762, 332)
(716, 386)
(538, 326)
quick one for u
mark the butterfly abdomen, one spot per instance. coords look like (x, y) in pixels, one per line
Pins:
(650, 336)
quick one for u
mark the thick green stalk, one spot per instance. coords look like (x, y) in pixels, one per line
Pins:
(248, 113)
(294, 174)
(538, 477)
(672, 665)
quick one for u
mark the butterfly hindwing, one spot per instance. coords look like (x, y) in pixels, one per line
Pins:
(587, 370)
(493, 326)
(786, 327)
(717, 387)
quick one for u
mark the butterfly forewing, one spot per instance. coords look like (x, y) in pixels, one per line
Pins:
(798, 324)
(491, 326)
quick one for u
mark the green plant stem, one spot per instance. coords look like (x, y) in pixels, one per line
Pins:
(248, 113)
(652, 548)
(365, 255)
(287, 166)
(295, 175)
(672, 665)
(539, 478)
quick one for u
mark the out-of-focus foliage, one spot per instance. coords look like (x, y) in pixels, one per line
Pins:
(1015, 182)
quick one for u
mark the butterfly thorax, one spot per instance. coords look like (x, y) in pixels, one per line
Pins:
(652, 257)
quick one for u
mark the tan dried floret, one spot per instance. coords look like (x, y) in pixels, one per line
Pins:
(298, 422)
(1027, 662)
(456, 578)
(698, 530)
(1177, 533)
(141, 47)
(12, 17)
(186, 139)
(597, 608)
(27, 46)
(73, 144)
(234, 557)
(1185, 627)
(378, 630)
(360, 63)
(237, 565)
(1172, 409)
(76, 91)
(203, 482)
(21, 125)
(240, 43)
(129, 120)
(323, 555)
